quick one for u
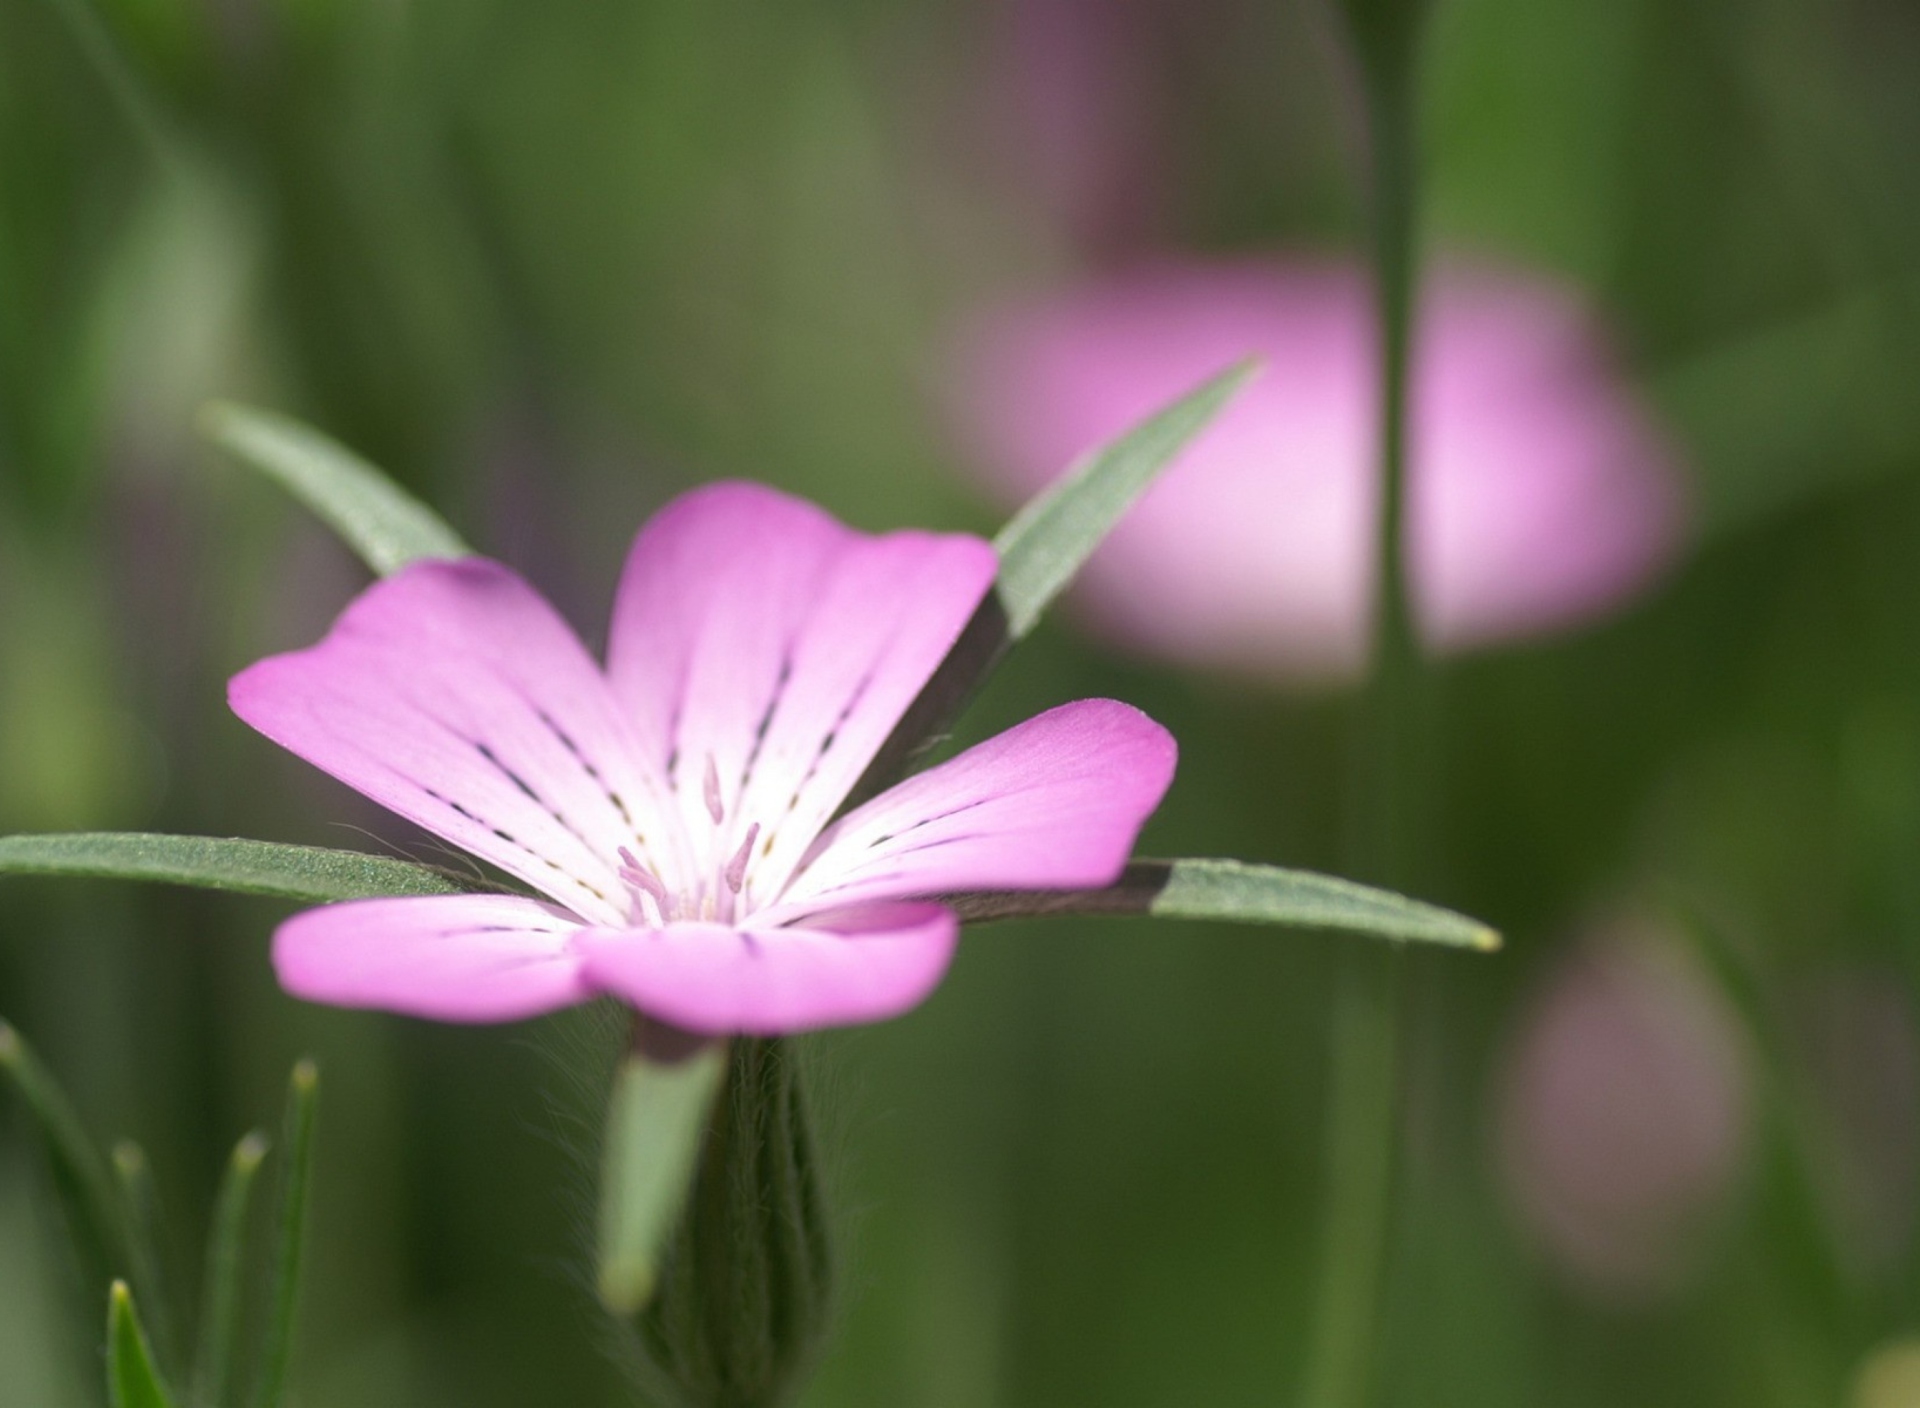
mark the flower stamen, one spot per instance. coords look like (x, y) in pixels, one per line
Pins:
(736, 873)
(646, 887)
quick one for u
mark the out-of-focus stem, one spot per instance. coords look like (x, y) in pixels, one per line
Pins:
(127, 89)
(1364, 1086)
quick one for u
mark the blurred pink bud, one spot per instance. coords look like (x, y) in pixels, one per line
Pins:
(1540, 493)
(1859, 1052)
(1624, 1112)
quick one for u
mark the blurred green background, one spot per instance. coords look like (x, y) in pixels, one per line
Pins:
(551, 263)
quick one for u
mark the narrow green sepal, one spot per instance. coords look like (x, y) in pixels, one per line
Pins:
(374, 516)
(1041, 550)
(655, 1127)
(315, 874)
(746, 1286)
(1241, 892)
(1049, 540)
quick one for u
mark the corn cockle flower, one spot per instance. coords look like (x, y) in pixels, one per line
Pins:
(1540, 493)
(678, 811)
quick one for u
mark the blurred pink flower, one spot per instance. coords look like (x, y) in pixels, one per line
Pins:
(1856, 1043)
(1624, 1113)
(1540, 493)
(676, 810)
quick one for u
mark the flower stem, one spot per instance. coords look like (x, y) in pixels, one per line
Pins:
(1364, 1087)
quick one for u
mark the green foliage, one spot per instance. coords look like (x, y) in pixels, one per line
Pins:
(1242, 892)
(1041, 550)
(290, 1236)
(1048, 541)
(90, 1205)
(223, 1295)
(378, 519)
(746, 1283)
(1268, 894)
(313, 874)
(132, 1379)
(112, 1220)
(652, 1142)
(140, 1205)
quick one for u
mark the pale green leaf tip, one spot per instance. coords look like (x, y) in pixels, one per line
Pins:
(121, 1297)
(129, 1158)
(626, 1285)
(251, 1151)
(306, 1077)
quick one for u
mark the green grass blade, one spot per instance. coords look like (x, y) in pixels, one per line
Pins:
(88, 1200)
(378, 519)
(140, 1202)
(132, 1379)
(1243, 893)
(225, 1290)
(655, 1129)
(1048, 541)
(311, 873)
(296, 1181)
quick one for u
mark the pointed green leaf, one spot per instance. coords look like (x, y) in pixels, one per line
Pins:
(311, 873)
(655, 1129)
(140, 1203)
(132, 1379)
(1041, 550)
(378, 519)
(81, 1183)
(213, 1363)
(296, 1181)
(1048, 540)
(1245, 893)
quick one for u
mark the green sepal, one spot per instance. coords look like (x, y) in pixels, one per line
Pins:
(655, 1127)
(1041, 550)
(1242, 892)
(374, 516)
(1050, 540)
(314, 874)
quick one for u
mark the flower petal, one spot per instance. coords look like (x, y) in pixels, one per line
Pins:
(1053, 803)
(453, 958)
(454, 695)
(755, 635)
(858, 966)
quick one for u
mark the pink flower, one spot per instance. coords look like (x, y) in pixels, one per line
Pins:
(1540, 494)
(1625, 1113)
(677, 810)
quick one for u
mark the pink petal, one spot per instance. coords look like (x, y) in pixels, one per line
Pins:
(453, 958)
(454, 695)
(1054, 803)
(859, 966)
(755, 635)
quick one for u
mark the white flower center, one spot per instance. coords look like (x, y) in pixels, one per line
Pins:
(719, 898)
